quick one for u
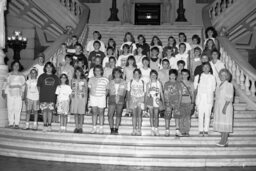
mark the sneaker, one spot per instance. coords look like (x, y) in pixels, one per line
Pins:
(138, 132)
(116, 131)
(177, 134)
(94, 130)
(206, 134)
(112, 130)
(201, 134)
(157, 132)
(101, 130)
(167, 132)
(133, 132)
(153, 131)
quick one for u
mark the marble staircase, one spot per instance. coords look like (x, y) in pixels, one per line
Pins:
(146, 150)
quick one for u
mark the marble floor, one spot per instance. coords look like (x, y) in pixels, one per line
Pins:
(18, 164)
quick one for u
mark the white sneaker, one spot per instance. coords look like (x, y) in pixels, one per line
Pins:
(101, 131)
(157, 132)
(177, 133)
(27, 126)
(153, 131)
(94, 130)
(167, 132)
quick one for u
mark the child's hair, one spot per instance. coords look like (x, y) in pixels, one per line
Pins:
(138, 46)
(82, 76)
(217, 51)
(74, 36)
(146, 59)
(183, 44)
(132, 37)
(185, 37)
(63, 44)
(203, 64)
(126, 46)
(117, 69)
(174, 41)
(98, 67)
(99, 35)
(214, 35)
(186, 71)
(144, 39)
(154, 72)
(137, 70)
(114, 43)
(18, 62)
(181, 62)
(165, 60)
(207, 46)
(111, 57)
(159, 42)
(198, 39)
(95, 42)
(65, 75)
(41, 55)
(155, 48)
(51, 65)
(173, 71)
(199, 49)
(110, 48)
(131, 57)
(33, 69)
(69, 56)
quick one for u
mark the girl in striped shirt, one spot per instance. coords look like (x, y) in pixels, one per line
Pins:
(98, 86)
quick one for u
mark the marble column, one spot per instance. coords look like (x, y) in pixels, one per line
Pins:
(3, 67)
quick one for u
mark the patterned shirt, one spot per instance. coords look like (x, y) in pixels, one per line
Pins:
(98, 86)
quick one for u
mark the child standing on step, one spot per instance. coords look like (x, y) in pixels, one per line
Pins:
(136, 94)
(129, 68)
(63, 93)
(172, 98)
(14, 90)
(98, 86)
(153, 97)
(47, 84)
(32, 98)
(79, 98)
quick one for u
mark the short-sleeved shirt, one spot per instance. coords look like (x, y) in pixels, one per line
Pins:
(63, 92)
(32, 91)
(136, 88)
(98, 86)
(47, 84)
(172, 91)
(93, 55)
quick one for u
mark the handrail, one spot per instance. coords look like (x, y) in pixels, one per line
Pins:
(81, 31)
(243, 74)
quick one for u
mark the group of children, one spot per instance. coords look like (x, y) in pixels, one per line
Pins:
(142, 78)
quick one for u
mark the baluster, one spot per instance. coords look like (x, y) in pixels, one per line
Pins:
(253, 90)
(247, 86)
(216, 9)
(222, 6)
(79, 10)
(233, 69)
(237, 75)
(227, 3)
(75, 8)
(242, 80)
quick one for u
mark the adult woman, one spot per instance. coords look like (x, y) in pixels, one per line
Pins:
(223, 109)
(216, 65)
(187, 102)
(211, 33)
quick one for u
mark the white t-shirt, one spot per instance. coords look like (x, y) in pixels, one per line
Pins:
(145, 74)
(173, 62)
(89, 46)
(188, 47)
(137, 88)
(63, 92)
(154, 91)
(32, 91)
(133, 45)
(122, 59)
(138, 59)
(40, 69)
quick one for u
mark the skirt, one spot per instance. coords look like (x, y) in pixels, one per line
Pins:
(63, 107)
(78, 106)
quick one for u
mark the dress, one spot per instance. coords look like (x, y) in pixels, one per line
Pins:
(153, 89)
(223, 122)
(78, 96)
(63, 92)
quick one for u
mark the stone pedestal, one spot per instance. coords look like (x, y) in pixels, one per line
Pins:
(3, 106)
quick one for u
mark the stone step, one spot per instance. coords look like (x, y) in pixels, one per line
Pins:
(127, 140)
(134, 160)
(123, 150)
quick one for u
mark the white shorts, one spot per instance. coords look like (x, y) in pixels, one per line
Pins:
(98, 101)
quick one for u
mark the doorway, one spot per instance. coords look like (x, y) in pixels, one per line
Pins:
(147, 13)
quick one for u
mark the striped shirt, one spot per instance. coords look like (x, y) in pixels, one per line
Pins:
(98, 86)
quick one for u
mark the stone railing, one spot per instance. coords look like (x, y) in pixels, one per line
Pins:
(243, 74)
(81, 11)
(218, 7)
